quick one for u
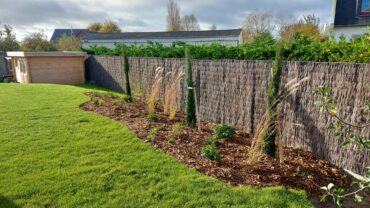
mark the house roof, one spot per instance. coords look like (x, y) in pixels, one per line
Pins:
(49, 54)
(160, 35)
(58, 33)
(347, 13)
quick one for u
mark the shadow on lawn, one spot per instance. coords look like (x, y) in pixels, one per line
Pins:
(6, 203)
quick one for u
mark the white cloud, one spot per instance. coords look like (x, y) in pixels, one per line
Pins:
(144, 15)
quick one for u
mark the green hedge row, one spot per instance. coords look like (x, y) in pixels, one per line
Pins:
(301, 48)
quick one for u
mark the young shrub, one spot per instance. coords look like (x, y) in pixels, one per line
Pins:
(177, 129)
(152, 134)
(223, 131)
(154, 91)
(126, 71)
(190, 108)
(171, 140)
(269, 145)
(99, 102)
(171, 97)
(127, 98)
(210, 151)
(112, 95)
(153, 117)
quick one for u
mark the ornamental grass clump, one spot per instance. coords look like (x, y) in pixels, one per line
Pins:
(172, 95)
(257, 151)
(155, 89)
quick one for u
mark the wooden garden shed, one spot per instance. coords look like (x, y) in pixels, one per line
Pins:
(48, 67)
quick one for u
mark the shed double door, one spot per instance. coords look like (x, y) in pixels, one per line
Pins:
(21, 72)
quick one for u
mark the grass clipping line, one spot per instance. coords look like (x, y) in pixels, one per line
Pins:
(172, 94)
(255, 152)
(154, 90)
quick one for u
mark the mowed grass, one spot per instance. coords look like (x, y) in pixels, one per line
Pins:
(53, 154)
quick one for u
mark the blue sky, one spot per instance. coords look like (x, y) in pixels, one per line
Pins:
(28, 16)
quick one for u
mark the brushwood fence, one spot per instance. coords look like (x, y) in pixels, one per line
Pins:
(234, 92)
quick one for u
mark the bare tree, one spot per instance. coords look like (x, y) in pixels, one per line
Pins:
(213, 27)
(310, 19)
(173, 18)
(190, 23)
(257, 22)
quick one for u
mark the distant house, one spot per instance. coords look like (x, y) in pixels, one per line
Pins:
(58, 33)
(351, 18)
(224, 37)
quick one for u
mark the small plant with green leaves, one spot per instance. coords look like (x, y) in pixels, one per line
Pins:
(344, 130)
(112, 95)
(171, 140)
(95, 94)
(153, 117)
(162, 127)
(127, 98)
(177, 129)
(99, 102)
(223, 131)
(152, 134)
(210, 152)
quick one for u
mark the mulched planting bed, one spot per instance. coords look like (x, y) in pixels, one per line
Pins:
(300, 170)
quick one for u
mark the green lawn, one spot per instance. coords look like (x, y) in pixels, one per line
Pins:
(52, 154)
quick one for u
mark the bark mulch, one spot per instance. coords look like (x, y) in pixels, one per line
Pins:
(300, 169)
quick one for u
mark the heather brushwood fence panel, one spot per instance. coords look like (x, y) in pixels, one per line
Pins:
(234, 92)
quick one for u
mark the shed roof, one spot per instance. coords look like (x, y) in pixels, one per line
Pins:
(347, 13)
(161, 35)
(44, 54)
(58, 33)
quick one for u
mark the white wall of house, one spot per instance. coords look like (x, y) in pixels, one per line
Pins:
(227, 41)
(350, 32)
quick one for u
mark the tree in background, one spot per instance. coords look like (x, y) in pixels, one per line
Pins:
(308, 26)
(95, 26)
(68, 43)
(108, 26)
(190, 108)
(190, 23)
(37, 42)
(173, 17)
(256, 23)
(213, 27)
(8, 41)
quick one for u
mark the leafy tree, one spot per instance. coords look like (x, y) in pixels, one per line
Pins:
(190, 108)
(173, 17)
(110, 26)
(308, 26)
(68, 43)
(126, 72)
(269, 146)
(95, 26)
(8, 40)
(257, 22)
(348, 132)
(37, 42)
